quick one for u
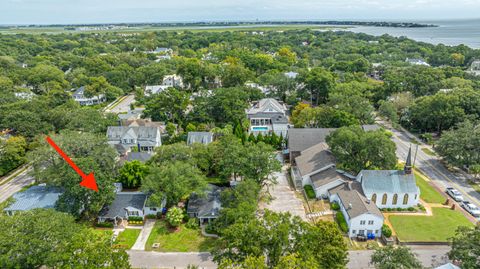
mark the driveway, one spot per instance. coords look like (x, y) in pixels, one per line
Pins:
(430, 256)
(284, 198)
(16, 184)
(144, 234)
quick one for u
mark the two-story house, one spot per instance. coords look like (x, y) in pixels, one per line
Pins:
(79, 96)
(134, 138)
(268, 116)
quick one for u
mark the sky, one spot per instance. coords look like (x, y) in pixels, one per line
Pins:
(116, 11)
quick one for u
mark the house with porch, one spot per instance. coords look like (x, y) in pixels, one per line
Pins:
(205, 207)
(134, 138)
(80, 97)
(40, 196)
(268, 116)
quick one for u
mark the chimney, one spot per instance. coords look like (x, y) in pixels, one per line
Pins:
(349, 185)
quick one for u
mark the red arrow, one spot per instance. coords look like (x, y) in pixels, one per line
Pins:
(88, 181)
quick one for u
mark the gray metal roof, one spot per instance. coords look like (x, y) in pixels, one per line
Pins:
(35, 197)
(448, 266)
(371, 127)
(207, 205)
(354, 201)
(140, 133)
(199, 137)
(122, 201)
(300, 139)
(391, 181)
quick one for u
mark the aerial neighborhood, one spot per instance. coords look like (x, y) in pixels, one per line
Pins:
(237, 149)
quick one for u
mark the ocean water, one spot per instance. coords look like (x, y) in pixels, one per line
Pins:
(451, 32)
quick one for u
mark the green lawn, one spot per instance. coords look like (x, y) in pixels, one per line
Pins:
(127, 238)
(183, 240)
(436, 228)
(428, 193)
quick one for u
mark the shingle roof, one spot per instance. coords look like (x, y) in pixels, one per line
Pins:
(138, 132)
(300, 139)
(35, 197)
(208, 205)
(353, 200)
(325, 176)
(122, 201)
(267, 105)
(314, 158)
(392, 181)
(138, 156)
(199, 137)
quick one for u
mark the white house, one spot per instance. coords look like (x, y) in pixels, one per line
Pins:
(79, 96)
(362, 216)
(199, 137)
(134, 138)
(173, 81)
(391, 188)
(268, 115)
(414, 61)
(154, 89)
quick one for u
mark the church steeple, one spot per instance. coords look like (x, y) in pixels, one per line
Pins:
(408, 164)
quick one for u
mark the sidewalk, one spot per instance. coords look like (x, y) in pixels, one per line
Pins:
(143, 237)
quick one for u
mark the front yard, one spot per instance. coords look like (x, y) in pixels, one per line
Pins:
(427, 192)
(436, 228)
(127, 238)
(183, 240)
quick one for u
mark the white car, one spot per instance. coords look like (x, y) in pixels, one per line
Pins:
(456, 195)
(471, 208)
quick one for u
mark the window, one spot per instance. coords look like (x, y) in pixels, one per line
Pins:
(384, 199)
(376, 231)
(405, 199)
(153, 208)
(395, 198)
(354, 231)
(361, 232)
(362, 222)
(370, 222)
(374, 198)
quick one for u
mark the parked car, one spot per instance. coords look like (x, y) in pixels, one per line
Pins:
(471, 208)
(456, 195)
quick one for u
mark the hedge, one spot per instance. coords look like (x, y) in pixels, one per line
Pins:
(386, 231)
(309, 192)
(342, 223)
(135, 218)
(104, 225)
(335, 206)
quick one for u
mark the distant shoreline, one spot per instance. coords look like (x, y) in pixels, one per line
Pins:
(224, 24)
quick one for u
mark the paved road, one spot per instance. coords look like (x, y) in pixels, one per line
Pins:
(16, 184)
(123, 106)
(429, 255)
(433, 168)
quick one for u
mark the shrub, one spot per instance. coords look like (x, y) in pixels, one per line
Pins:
(151, 216)
(335, 206)
(421, 207)
(411, 209)
(192, 223)
(174, 216)
(389, 209)
(400, 209)
(386, 231)
(342, 223)
(309, 192)
(105, 224)
(135, 218)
